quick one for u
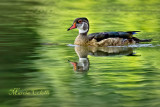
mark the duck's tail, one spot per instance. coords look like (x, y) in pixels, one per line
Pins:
(141, 40)
(145, 40)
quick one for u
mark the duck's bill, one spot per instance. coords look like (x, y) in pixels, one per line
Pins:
(72, 27)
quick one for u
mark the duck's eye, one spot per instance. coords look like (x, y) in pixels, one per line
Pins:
(79, 21)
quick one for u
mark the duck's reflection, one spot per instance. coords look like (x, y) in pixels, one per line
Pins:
(83, 64)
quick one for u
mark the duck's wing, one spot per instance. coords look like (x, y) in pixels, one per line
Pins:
(105, 35)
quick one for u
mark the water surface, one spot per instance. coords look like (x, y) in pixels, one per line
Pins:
(34, 54)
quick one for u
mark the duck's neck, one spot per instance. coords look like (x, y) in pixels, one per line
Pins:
(81, 39)
(83, 34)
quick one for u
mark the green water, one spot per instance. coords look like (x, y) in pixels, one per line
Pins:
(35, 49)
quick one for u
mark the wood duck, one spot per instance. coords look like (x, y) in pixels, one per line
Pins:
(103, 38)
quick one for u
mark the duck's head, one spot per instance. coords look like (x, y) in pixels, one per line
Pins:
(82, 24)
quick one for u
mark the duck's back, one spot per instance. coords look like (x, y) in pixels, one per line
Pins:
(106, 35)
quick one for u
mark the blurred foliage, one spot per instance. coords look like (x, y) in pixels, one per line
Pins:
(113, 81)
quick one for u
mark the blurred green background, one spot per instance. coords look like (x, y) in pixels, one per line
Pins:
(34, 54)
